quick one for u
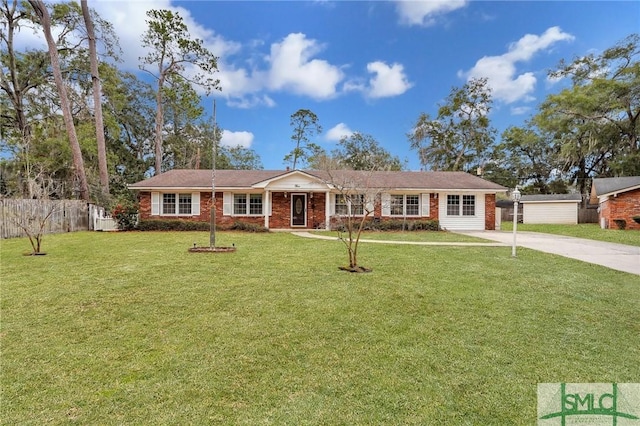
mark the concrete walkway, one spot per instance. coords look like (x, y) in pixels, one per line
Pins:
(620, 257)
(415, 243)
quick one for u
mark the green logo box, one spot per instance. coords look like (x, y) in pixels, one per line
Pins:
(567, 404)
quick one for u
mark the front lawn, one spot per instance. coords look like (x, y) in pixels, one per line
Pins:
(417, 236)
(130, 328)
(590, 231)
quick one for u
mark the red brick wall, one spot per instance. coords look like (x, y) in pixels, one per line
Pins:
(434, 209)
(490, 212)
(624, 206)
(281, 211)
(280, 217)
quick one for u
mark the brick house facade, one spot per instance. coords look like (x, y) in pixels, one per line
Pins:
(314, 200)
(618, 199)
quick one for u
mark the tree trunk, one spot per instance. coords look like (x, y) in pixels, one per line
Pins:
(78, 163)
(97, 100)
(159, 126)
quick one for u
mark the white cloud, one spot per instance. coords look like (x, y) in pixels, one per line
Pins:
(412, 12)
(501, 71)
(521, 110)
(388, 80)
(338, 131)
(248, 75)
(292, 68)
(232, 139)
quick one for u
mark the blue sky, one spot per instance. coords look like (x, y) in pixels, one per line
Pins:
(373, 67)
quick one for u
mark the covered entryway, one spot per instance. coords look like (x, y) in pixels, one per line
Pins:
(299, 210)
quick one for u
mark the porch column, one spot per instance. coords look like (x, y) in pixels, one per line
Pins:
(266, 208)
(327, 210)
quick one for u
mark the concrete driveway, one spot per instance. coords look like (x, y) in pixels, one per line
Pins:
(620, 257)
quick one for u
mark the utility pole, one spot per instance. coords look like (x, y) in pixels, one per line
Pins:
(212, 224)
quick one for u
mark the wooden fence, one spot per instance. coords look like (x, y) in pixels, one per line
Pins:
(585, 214)
(66, 216)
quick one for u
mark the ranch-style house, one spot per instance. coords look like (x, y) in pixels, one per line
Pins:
(297, 199)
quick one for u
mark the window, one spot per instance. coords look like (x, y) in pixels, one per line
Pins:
(239, 203)
(453, 205)
(468, 205)
(412, 205)
(357, 204)
(175, 204)
(247, 204)
(169, 204)
(184, 204)
(353, 204)
(255, 204)
(341, 205)
(397, 205)
(405, 205)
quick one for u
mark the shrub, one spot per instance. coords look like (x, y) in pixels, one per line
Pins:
(620, 223)
(125, 215)
(407, 225)
(191, 225)
(395, 225)
(247, 227)
(172, 225)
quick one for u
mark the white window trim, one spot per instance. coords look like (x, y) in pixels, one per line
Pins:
(228, 204)
(348, 200)
(423, 205)
(460, 206)
(157, 205)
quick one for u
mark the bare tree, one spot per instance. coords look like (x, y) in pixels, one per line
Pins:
(358, 195)
(97, 100)
(78, 163)
(35, 213)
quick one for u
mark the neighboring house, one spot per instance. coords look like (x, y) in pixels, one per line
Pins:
(617, 199)
(310, 199)
(550, 208)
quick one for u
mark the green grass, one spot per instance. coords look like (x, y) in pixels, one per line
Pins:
(590, 231)
(130, 328)
(418, 236)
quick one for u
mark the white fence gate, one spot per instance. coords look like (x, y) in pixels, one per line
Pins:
(101, 221)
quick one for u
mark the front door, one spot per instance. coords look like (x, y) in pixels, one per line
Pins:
(299, 210)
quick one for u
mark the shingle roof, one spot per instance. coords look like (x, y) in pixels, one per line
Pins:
(616, 184)
(183, 178)
(550, 198)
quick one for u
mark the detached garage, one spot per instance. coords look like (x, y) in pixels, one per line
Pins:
(550, 208)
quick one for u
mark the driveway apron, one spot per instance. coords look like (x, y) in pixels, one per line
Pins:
(620, 257)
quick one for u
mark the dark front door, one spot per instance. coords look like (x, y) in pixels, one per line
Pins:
(298, 210)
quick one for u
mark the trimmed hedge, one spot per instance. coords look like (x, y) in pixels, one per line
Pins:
(172, 225)
(396, 225)
(406, 225)
(190, 225)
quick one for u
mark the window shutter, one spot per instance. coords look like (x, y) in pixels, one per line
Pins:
(386, 204)
(195, 203)
(227, 203)
(369, 200)
(155, 203)
(425, 204)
